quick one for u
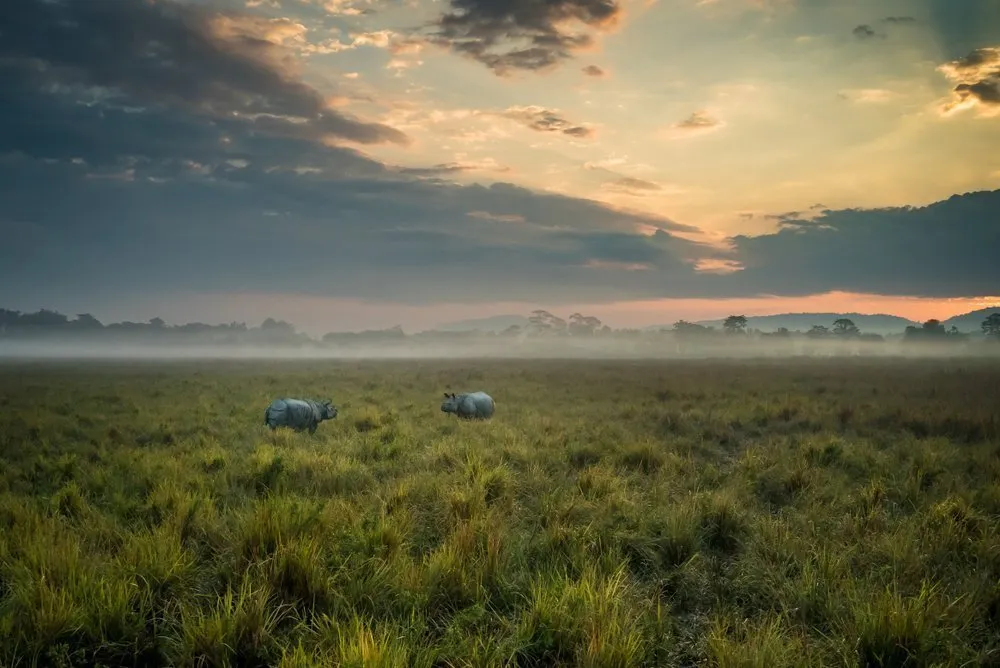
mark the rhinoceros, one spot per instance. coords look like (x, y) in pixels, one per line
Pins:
(298, 414)
(469, 405)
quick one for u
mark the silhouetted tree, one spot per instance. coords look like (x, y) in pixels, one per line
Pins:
(544, 322)
(933, 327)
(583, 325)
(690, 330)
(735, 324)
(818, 332)
(845, 327)
(931, 330)
(43, 318)
(87, 321)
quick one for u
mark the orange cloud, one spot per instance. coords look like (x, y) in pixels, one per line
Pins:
(698, 123)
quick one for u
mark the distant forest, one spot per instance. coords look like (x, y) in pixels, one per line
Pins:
(51, 325)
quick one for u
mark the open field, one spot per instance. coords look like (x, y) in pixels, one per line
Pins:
(839, 512)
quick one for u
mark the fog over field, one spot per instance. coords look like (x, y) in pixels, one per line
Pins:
(645, 348)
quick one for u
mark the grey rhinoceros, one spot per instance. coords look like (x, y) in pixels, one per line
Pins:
(298, 414)
(469, 405)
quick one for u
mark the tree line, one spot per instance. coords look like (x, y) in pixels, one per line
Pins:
(540, 323)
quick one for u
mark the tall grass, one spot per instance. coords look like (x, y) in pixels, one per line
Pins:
(611, 514)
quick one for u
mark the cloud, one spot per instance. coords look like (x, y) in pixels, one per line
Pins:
(504, 218)
(628, 185)
(444, 169)
(541, 119)
(699, 122)
(394, 42)
(618, 161)
(865, 31)
(137, 193)
(506, 35)
(977, 79)
(867, 95)
(941, 250)
(341, 7)
(593, 71)
(620, 183)
(148, 54)
(362, 238)
(184, 155)
(637, 184)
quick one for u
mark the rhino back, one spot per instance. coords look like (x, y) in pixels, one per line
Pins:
(478, 404)
(301, 413)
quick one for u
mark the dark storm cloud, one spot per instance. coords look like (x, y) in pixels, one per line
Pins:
(350, 238)
(547, 120)
(138, 152)
(164, 54)
(593, 71)
(97, 199)
(509, 35)
(353, 232)
(946, 249)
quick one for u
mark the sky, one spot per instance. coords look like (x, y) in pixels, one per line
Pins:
(353, 164)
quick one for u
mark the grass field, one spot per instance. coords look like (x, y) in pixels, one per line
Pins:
(807, 513)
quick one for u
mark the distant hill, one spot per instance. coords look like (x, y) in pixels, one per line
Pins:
(878, 323)
(971, 321)
(496, 323)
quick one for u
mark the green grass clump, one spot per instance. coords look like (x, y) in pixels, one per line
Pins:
(752, 513)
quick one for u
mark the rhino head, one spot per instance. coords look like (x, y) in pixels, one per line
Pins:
(327, 410)
(450, 403)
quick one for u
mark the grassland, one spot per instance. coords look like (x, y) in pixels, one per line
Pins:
(806, 513)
